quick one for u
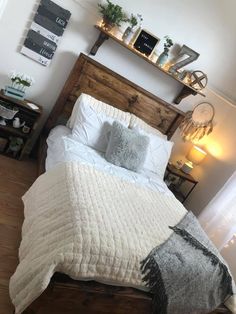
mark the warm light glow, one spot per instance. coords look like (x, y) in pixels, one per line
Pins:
(166, 66)
(196, 155)
(215, 149)
(189, 164)
(232, 241)
(99, 23)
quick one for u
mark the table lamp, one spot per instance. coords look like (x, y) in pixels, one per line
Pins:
(195, 156)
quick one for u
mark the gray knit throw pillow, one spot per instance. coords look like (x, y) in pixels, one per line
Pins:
(126, 148)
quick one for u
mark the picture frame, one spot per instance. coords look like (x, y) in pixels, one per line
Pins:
(146, 42)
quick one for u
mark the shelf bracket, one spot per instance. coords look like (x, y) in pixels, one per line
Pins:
(101, 39)
(185, 92)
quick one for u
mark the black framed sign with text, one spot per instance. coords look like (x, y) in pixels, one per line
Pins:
(146, 42)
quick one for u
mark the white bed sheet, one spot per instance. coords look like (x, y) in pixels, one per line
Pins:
(63, 148)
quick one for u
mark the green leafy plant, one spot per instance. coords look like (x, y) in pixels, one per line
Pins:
(112, 13)
(135, 20)
(21, 80)
(168, 44)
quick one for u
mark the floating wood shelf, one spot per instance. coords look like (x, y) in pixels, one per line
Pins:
(104, 35)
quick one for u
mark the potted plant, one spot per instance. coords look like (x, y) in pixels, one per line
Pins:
(112, 15)
(164, 55)
(19, 83)
(134, 21)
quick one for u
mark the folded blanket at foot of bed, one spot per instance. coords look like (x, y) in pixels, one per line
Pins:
(186, 273)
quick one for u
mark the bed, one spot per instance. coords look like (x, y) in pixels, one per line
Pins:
(63, 294)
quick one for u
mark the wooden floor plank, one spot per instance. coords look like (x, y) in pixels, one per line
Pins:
(15, 179)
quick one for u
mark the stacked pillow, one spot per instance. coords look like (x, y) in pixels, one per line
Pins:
(92, 126)
(105, 128)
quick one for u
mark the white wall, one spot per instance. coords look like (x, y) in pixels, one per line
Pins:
(220, 162)
(206, 26)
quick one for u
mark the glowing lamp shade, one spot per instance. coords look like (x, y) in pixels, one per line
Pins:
(196, 155)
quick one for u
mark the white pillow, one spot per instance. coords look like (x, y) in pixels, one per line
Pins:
(158, 154)
(136, 122)
(57, 132)
(99, 107)
(92, 128)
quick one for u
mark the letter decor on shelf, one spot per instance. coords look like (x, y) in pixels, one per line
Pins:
(192, 56)
(45, 32)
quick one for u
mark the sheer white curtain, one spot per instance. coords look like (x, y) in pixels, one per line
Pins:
(2, 6)
(219, 221)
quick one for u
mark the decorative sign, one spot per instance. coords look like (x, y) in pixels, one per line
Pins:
(192, 56)
(198, 80)
(146, 43)
(46, 30)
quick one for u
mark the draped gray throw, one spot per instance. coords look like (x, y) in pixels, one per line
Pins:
(187, 274)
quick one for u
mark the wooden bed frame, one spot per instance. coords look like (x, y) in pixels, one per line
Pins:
(63, 294)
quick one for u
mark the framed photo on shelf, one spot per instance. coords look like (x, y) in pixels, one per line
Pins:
(146, 42)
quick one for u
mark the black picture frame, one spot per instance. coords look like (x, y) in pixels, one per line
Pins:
(146, 42)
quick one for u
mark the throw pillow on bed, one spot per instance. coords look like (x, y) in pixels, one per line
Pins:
(126, 148)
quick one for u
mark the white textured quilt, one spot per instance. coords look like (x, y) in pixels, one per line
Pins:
(89, 225)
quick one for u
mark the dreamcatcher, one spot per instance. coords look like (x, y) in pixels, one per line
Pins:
(197, 123)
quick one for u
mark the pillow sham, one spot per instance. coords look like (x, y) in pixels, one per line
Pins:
(99, 107)
(158, 154)
(92, 128)
(126, 148)
(57, 132)
(136, 122)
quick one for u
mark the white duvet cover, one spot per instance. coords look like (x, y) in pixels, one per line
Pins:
(63, 148)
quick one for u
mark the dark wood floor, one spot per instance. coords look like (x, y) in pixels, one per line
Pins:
(15, 179)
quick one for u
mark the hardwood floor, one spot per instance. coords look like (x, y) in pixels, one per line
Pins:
(15, 179)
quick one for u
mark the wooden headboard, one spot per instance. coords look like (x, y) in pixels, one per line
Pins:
(89, 76)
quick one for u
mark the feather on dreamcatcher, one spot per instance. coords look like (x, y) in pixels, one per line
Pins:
(197, 123)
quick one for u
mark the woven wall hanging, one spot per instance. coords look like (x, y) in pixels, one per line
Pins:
(198, 123)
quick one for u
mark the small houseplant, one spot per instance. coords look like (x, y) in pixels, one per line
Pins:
(164, 55)
(134, 22)
(19, 83)
(112, 14)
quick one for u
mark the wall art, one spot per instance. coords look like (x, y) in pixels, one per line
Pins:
(146, 42)
(45, 32)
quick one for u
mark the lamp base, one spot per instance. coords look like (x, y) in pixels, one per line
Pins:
(187, 167)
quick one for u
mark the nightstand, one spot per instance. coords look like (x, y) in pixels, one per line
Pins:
(180, 183)
(16, 134)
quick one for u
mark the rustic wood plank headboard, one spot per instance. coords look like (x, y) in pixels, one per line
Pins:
(89, 76)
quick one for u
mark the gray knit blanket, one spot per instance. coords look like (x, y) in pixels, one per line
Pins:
(187, 274)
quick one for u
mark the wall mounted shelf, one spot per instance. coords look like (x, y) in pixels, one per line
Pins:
(104, 35)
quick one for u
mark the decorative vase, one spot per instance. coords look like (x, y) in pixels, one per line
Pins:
(128, 35)
(162, 58)
(135, 35)
(107, 24)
